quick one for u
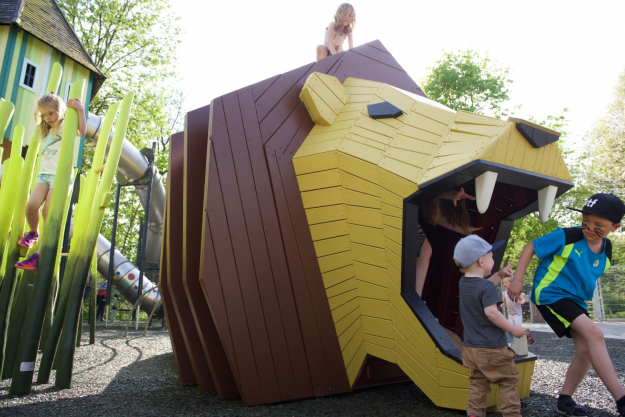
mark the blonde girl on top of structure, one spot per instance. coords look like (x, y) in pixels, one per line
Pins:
(514, 307)
(341, 28)
(50, 115)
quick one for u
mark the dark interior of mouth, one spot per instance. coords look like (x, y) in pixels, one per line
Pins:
(515, 195)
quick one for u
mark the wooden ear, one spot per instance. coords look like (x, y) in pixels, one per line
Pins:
(324, 97)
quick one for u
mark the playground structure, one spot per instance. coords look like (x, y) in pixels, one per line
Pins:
(301, 280)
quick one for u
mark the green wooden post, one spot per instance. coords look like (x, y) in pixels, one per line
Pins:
(22, 378)
(92, 301)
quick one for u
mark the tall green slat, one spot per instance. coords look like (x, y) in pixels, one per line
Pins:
(81, 221)
(67, 346)
(93, 298)
(22, 378)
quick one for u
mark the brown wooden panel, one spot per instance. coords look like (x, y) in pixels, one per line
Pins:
(219, 215)
(275, 248)
(278, 89)
(299, 137)
(195, 152)
(314, 281)
(290, 100)
(317, 365)
(379, 56)
(174, 279)
(283, 136)
(378, 45)
(259, 88)
(181, 356)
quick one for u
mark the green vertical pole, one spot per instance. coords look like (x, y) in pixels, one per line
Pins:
(92, 301)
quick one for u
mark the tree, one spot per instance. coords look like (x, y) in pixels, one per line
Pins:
(465, 81)
(133, 42)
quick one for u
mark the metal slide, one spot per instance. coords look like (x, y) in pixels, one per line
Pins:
(134, 166)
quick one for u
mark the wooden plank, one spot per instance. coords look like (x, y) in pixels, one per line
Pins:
(278, 89)
(275, 247)
(350, 332)
(341, 288)
(381, 352)
(337, 276)
(366, 235)
(378, 327)
(378, 56)
(328, 230)
(354, 198)
(373, 307)
(285, 132)
(195, 154)
(323, 197)
(343, 324)
(314, 163)
(333, 245)
(357, 167)
(227, 128)
(364, 216)
(340, 312)
(259, 88)
(325, 214)
(376, 292)
(318, 180)
(352, 182)
(370, 273)
(179, 297)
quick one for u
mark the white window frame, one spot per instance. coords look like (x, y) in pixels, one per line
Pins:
(68, 85)
(24, 66)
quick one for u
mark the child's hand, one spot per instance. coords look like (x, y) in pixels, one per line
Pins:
(75, 104)
(505, 272)
(459, 195)
(518, 331)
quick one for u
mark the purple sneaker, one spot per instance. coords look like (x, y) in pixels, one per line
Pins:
(29, 239)
(30, 263)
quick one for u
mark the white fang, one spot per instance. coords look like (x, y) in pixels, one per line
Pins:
(546, 197)
(484, 187)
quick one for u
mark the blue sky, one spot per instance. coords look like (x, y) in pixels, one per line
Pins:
(560, 53)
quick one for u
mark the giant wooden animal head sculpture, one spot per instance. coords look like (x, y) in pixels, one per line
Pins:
(301, 280)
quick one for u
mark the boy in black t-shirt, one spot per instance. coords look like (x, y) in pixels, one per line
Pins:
(486, 352)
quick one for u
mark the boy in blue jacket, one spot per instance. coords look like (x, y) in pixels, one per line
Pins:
(572, 260)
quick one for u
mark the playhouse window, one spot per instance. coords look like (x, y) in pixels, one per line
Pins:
(68, 85)
(30, 71)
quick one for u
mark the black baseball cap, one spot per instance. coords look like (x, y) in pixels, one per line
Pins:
(606, 206)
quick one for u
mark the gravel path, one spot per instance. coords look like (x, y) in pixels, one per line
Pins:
(137, 376)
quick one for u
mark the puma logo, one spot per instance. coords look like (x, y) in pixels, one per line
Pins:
(579, 254)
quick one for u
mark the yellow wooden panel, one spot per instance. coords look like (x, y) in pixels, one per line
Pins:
(381, 352)
(350, 115)
(342, 324)
(437, 172)
(529, 160)
(389, 210)
(376, 292)
(364, 216)
(370, 273)
(402, 169)
(417, 365)
(375, 308)
(422, 138)
(319, 129)
(353, 369)
(466, 117)
(368, 142)
(528, 372)
(425, 358)
(462, 137)
(390, 198)
(357, 167)
(328, 230)
(432, 393)
(318, 180)
(339, 313)
(414, 332)
(325, 214)
(392, 246)
(341, 288)
(377, 327)
(338, 275)
(327, 146)
(452, 379)
(393, 275)
(358, 82)
(320, 112)
(393, 259)
(411, 158)
(368, 254)
(452, 148)
(444, 362)
(455, 160)
(333, 245)
(519, 155)
(455, 398)
(326, 136)
(355, 198)
(380, 341)
(414, 145)
(336, 261)
(352, 90)
(436, 113)
(394, 123)
(396, 98)
(335, 86)
(355, 183)
(392, 221)
(341, 299)
(427, 124)
(360, 107)
(488, 150)
(482, 130)
(512, 147)
(393, 234)
(370, 126)
(359, 98)
(361, 130)
(324, 197)
(352, 346)
(348, 334)
(358, 150)
(366, 235)
(544, 165)
(314, 163)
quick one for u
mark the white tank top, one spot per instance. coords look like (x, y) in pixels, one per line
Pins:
(337, 41)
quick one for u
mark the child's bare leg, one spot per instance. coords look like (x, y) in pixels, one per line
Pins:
(579, 366)
(44, 215)
(36, 199)
(321, 52)
(423, 263)
(583, 327)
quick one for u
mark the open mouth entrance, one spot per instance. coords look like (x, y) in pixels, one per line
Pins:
(515, 194)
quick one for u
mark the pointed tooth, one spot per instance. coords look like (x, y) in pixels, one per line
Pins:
(546, 197)
(484, 187)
